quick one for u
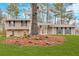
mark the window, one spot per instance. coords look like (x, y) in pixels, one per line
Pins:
(67, 30)
(26, 23)
(23, 23)
(12, 23)
(59, 30)
(40, 26)
(9, 23)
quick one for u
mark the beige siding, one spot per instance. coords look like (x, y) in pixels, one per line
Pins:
(73, 31)
(43, 30)
(8, 33)
(17, 33)
(17, 26)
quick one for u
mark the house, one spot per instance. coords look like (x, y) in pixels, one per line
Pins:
(77, 31)
(18, 27)
(50, 28)
(1, 29)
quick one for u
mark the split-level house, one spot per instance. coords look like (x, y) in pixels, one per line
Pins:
(18, 27)
(50, 28)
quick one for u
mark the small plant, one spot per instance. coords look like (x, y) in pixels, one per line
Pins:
(46, 37)
(36, 38)
(26, 36)
(11, 35)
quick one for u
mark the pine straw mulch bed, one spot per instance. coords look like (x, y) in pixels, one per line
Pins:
(39, 40)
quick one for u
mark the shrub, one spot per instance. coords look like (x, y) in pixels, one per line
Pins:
(46, 36)
(11, 35)
(26, 35)
(36, 38)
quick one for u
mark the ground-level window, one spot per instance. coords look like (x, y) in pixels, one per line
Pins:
(23, 23)
(67, 30)
(59, 30)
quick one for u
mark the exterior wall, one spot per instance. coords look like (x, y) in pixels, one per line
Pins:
(18, 29)
(1, 29)
(8, 33)
(63, 31)
(40, 30)
(43, 30)
(53, 30)
(77, 31)
(73, 31)
(17, 26)
(17, 33)
(29, 27)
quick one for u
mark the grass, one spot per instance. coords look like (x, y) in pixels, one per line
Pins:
(2, 37)
(69, 48)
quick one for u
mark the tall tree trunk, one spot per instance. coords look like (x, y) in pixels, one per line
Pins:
(47, 13)
(3, 28)
(61, 18)
(55, 19)
(47, 19)
(61, 21)
(34, 27)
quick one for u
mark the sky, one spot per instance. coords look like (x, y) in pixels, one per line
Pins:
(76, 12)
(4, 6)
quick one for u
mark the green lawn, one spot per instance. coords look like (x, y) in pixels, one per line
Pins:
(69, 48)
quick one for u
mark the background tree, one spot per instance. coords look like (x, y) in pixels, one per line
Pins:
(13, 10)
(60, 11)
(42, 11)
(2, 26)
(1, 15)
(27, 13)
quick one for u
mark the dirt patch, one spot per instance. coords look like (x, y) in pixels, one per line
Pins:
(40, 40)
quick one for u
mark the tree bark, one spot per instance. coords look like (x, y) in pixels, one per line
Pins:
(34, 27)
(47, 14)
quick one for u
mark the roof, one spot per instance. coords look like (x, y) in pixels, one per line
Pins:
(18, 20)
(16, 29)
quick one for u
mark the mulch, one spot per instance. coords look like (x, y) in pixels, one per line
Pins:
(40, 40)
